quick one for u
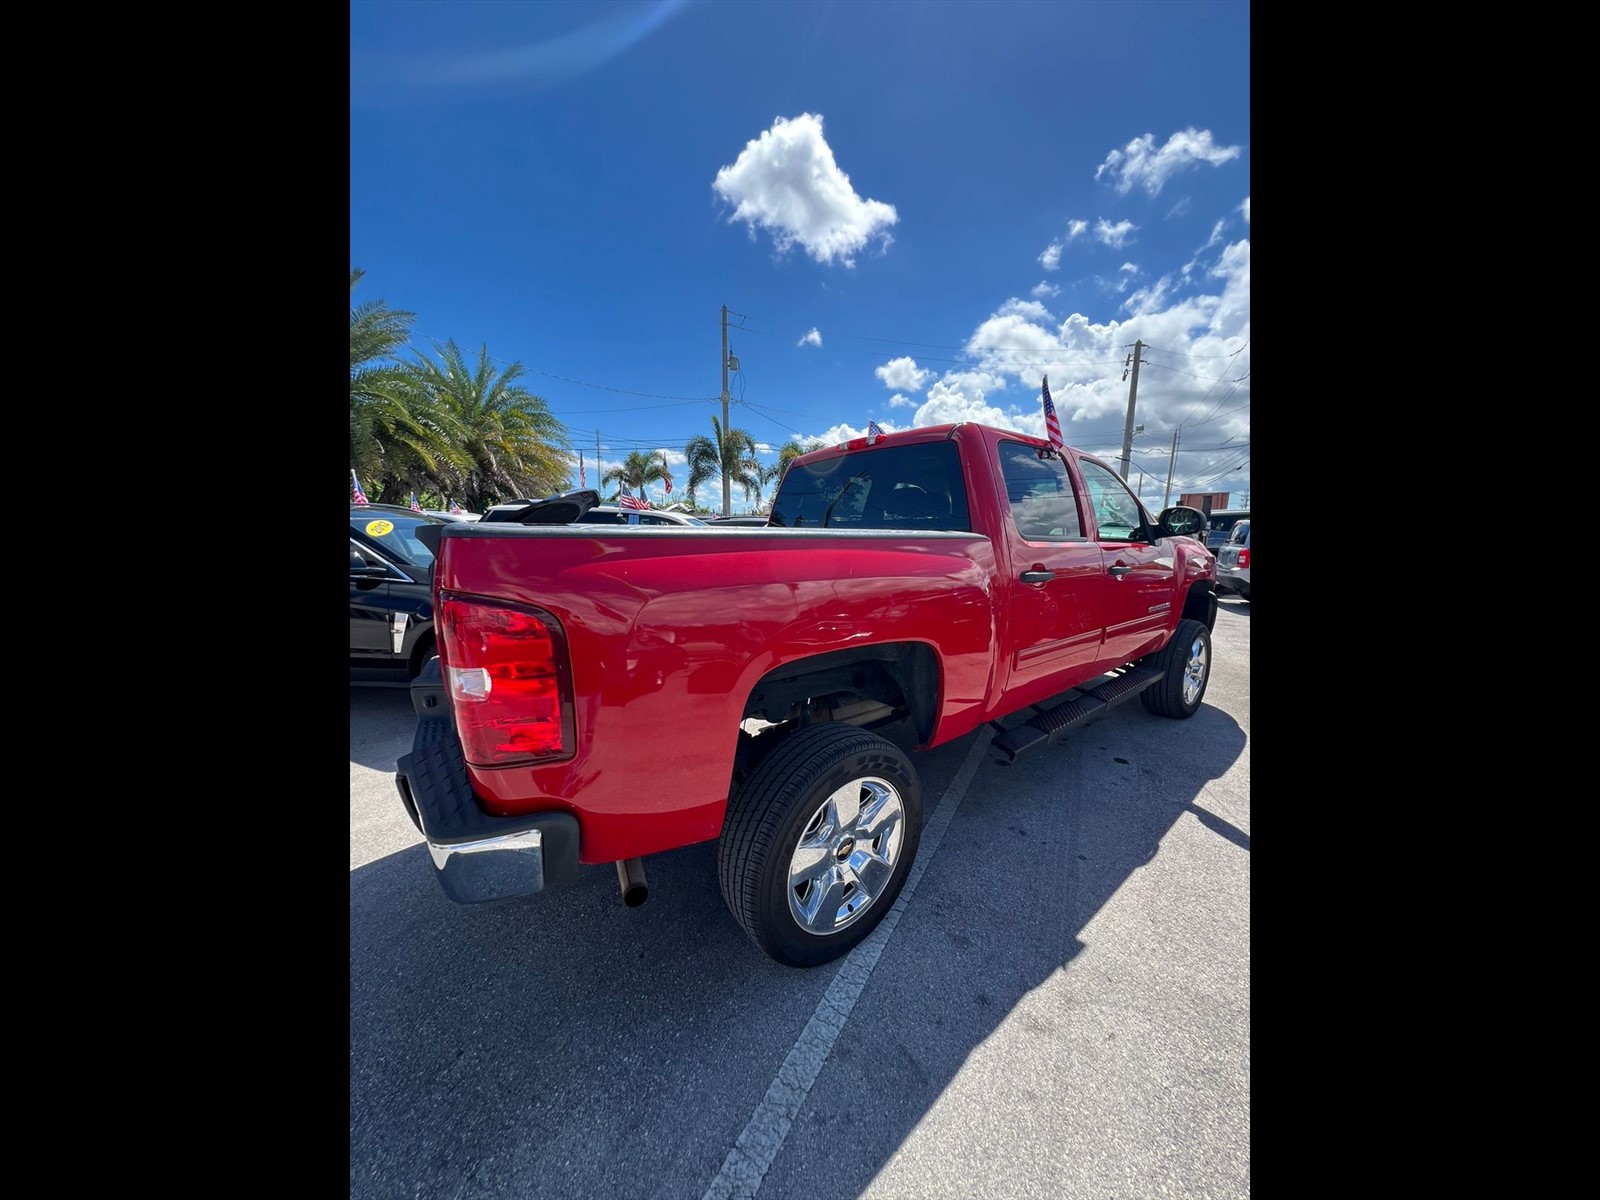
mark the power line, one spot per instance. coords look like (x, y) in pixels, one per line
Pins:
(1186, 354)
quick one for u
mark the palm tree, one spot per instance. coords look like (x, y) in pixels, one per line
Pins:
(639, 468)
(731, 455)
(509, 443)
(395, 427)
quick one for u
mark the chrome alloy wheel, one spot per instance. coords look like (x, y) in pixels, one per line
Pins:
(846, 855)
(1194, 671)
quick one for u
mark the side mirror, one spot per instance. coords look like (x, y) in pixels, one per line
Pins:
(1181, 521)
(360, 568)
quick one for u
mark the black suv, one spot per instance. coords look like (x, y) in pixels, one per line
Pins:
(391, 593)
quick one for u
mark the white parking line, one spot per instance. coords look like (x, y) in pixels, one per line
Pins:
(747, 1163)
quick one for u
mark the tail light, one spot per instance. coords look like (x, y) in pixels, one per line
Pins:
(507, 672)
(1244, 558)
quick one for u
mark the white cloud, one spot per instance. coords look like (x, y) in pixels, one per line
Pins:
(1031, 309)
(786, 182)
(765, 448)
(1245, 209)
(1216, 236)
(1051, 258)
(902, 374)
(1179, 209)
(844, 432)
(814, 338)
(1150, 299)
(1199, 379)
(1043, 290)
(1130, 268)
(960, 396)
(1140, 164)
(1113, 235)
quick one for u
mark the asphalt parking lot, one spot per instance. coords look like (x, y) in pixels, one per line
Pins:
(1059, 1007)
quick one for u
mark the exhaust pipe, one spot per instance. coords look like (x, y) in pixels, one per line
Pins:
(630, 879)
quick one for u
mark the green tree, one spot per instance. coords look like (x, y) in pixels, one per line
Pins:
(396, 428)
(508, 442)
(792, 450)
(639, 468)
(730, 454)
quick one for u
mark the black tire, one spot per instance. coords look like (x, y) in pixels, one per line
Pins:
(767, 816)
(1190, 647)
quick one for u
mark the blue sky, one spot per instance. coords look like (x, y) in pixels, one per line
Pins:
(912, 211)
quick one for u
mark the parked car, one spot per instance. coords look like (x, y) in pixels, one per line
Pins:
(454, 516)
(602, 514)
(391, 593)
(719, 522)
(1221, 524)
(1233, 561)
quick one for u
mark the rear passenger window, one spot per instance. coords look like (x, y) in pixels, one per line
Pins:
(1039, 491)
(917, 486)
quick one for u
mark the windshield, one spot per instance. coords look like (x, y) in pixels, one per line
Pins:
(396, 534)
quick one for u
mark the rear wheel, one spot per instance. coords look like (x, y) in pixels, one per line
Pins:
(818, 842)
(1185, 664)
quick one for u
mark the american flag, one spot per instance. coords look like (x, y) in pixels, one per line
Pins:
(666, 475)
(359, 497)
(629, 500)
(455, 507)
(582, 482)
(874, 432)
(1052, 424)
(415, 507)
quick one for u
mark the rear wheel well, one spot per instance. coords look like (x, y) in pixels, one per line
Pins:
(867, 686)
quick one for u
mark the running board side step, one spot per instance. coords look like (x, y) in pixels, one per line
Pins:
(1089, 703)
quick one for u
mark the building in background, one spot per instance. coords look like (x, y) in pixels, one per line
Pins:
(1204, 501)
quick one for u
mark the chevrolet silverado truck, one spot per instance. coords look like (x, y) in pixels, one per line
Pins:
(606, 693)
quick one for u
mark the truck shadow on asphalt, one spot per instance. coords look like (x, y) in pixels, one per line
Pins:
(382, 721)
(566, 1045)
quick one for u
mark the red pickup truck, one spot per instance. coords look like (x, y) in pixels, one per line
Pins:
(605, 693)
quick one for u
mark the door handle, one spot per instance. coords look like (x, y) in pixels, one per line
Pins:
(1038, 576)
(1119, 571)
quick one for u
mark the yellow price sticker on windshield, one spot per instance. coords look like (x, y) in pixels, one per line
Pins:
(379, 528)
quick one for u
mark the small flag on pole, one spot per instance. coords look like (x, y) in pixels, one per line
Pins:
(874, 431)
(358, 496)
(1052, 425)
(666, 475)
(582, 479)
(415, 507)
(455, 506)
(629, 500)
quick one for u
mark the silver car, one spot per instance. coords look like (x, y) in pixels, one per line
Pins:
(1233, 561)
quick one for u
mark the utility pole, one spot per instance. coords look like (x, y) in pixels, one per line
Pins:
(727, 484)
(598, 470)
(1172, 461)
(1127, 426)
